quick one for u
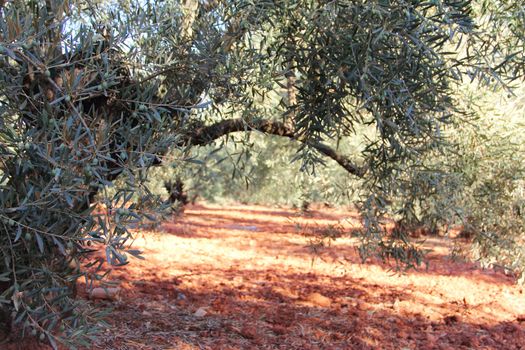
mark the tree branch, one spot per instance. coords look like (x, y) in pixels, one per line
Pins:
(207, 134)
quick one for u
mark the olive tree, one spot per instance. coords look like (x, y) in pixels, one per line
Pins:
(97, 91)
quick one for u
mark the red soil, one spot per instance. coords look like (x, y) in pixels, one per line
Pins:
(243, 278)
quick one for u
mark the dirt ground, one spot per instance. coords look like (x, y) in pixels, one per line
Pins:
(243, 277)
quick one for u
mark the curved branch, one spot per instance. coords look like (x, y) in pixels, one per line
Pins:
(207, 134)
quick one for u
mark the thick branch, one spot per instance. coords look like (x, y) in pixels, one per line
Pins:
(207, 134)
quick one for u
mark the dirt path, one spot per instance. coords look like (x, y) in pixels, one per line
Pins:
(243, 278)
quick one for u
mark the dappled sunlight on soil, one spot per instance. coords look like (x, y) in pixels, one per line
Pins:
(243, 277)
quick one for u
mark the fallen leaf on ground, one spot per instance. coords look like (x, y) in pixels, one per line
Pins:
(201, 312)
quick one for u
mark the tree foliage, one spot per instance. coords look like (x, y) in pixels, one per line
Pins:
(95, 91)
